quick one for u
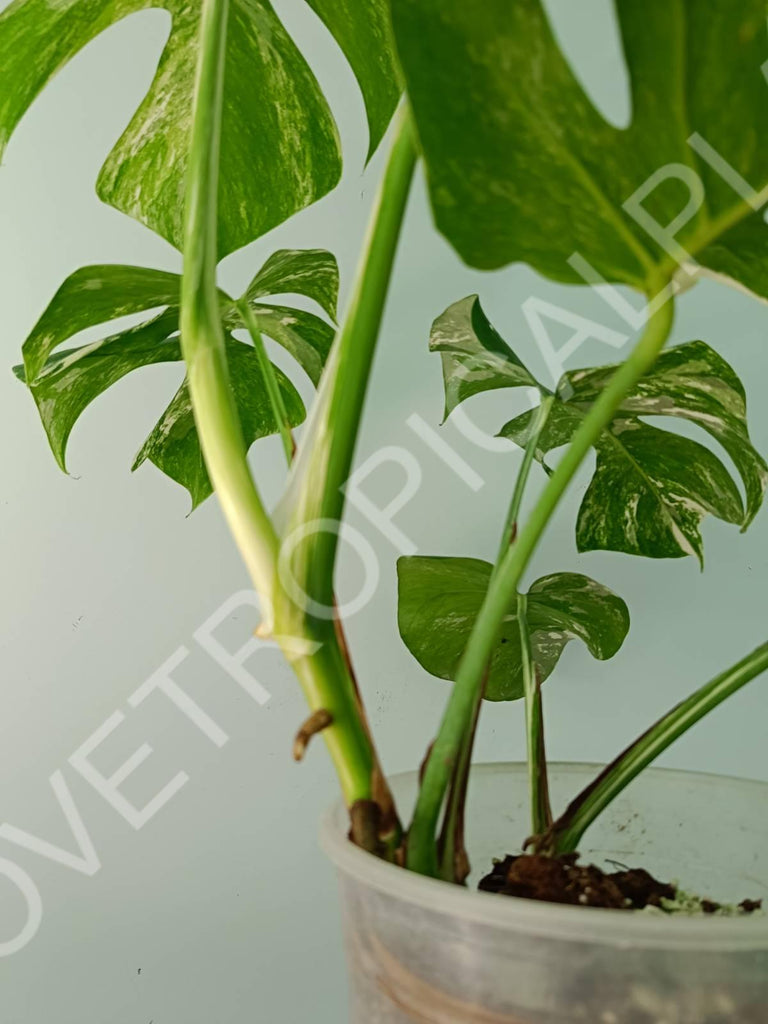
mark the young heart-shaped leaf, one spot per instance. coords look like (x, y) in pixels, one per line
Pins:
(652, 488)
(279, 145)
(521, 166)
(64, 383)
(439, 599)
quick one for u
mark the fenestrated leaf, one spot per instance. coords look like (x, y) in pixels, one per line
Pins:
(92, 296)
(173, 445)
(439, 599)
(363, 30)
(307, 337)
(521, 165)
(310, 272)
(279, 147)
(652, 488)
(98, 294)
(65, 383)
(475, 357)
(695, 383)
(72, 379)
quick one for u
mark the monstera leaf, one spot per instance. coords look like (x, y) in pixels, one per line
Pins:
(521, 165)
(651, 487)
(439, 599)
(64, 383)
(475, 357)
(174, 447)
(279, 146)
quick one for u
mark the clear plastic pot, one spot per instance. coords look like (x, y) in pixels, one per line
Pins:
(422, 950)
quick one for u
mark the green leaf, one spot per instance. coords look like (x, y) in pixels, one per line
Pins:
(304, 335)
(363, 30)
(475, 358)
(439, 599)
(652, 488)
(64, 384)
(310, 272)
(71, 380)
(521, 166)
(313, 273)
(92, 296)
(173, 445)
(279, 146)
(97, 294)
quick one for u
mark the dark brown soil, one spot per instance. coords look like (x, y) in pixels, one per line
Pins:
(564, 880)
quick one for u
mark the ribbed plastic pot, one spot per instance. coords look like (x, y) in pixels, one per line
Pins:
(426, 951)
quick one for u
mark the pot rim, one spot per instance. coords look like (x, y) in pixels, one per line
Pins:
(578, 924)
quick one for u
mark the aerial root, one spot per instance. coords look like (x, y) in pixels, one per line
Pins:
(316, 722)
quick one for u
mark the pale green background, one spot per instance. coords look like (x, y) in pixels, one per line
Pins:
(224, 901)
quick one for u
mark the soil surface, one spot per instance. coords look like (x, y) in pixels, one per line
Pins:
(564, 880)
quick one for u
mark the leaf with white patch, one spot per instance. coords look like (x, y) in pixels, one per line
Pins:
(307, 337)
(72, 379)
(522, 166)
(310, 272)
(475, 357)
(652, 488)
(64, 383)
(279, 142)
(439, 600)
(92, 296)
(363, 30)
(173, 445)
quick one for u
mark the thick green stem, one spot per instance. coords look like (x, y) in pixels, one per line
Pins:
(270, 380)
(568, 830)
(318, 663)
(314, 503)
(315, 493)
(202, 337)
(317, 670)
(503, 587)
(451, 848)
(452, 855)
(327, 686)
(538, 783)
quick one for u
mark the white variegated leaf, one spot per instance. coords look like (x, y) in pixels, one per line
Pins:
(72, 379)
(521, 165)
(439, 599)
(279, 142)
(310, 272)
(652, 488)
(474, 355)
(65, 382)
(173, 445)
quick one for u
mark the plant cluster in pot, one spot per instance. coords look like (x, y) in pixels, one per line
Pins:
(233, 138)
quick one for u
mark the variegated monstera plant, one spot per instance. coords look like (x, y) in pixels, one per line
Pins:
(235, 136)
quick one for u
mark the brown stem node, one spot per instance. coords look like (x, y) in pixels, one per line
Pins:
(365, 826)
